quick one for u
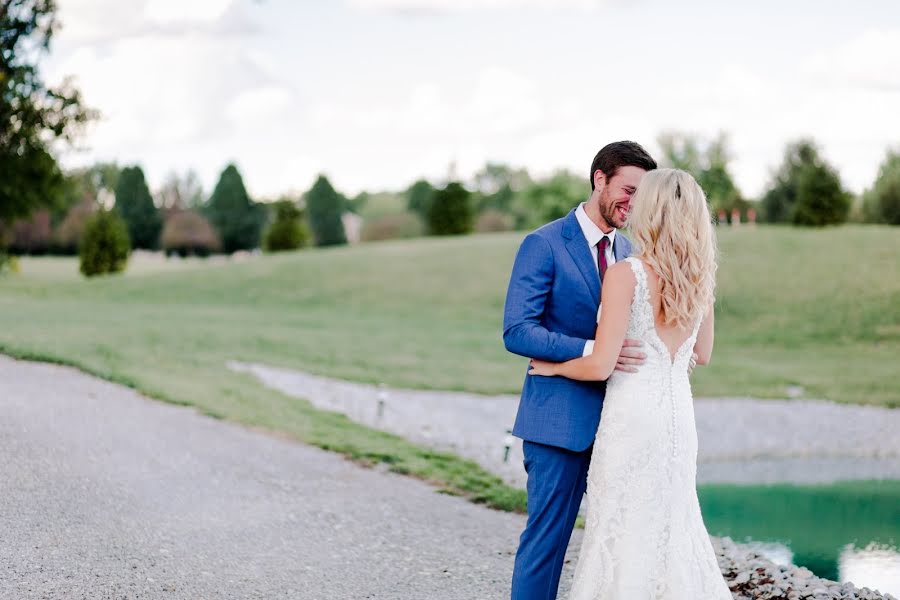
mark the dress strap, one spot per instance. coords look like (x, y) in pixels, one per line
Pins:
(642, 310)
(642, 290)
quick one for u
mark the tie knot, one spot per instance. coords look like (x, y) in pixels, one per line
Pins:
(603, 244)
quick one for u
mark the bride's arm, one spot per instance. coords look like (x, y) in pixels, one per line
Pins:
(704, 345)
(617, 292)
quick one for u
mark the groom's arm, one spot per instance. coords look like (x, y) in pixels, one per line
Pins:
(529, 286)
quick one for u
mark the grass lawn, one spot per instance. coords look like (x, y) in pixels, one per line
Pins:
(814, 308)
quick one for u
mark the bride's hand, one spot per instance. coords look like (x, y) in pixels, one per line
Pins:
(542, 367)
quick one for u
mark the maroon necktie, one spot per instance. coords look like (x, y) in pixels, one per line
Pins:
(601, 255)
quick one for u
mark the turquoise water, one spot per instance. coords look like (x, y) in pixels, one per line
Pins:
(821, 527)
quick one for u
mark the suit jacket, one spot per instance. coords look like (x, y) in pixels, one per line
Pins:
(551, 310)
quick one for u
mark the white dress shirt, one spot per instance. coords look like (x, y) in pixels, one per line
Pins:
(593, 234)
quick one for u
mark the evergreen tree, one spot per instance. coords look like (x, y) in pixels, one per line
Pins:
(135, 205)
(104, 247)
(820, 198)
(805, 189)
(235, 216)
(451, 211)
(325, 206)
(778, 201)
(419, 197)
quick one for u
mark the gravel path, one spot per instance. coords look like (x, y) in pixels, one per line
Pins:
(742, 440)
(106, 494)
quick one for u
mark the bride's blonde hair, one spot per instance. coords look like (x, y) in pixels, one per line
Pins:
(671, 226)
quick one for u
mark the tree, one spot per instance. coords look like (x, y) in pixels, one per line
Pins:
(32, 116)
(419, 197)
(778, 201)
(325, 207)
(707, 162)
(135, 205)
(180, 192)
(548, 199)
(883, 199)
(288, 231)
(496, 185)
(104, 248)
(820, 198)
(451, 211)
(235, 216)
(804, 186)
(87, 183)
(187, 232)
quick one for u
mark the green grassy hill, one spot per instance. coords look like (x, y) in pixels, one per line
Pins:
(820, 309)
(814, 308)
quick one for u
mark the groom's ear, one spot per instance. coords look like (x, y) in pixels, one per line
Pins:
(599, 179)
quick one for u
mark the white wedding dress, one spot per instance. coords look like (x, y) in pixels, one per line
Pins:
(644, 536)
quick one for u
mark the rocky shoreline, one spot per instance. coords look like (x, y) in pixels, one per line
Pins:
(751, 576)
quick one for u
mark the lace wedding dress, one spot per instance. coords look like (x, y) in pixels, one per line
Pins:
(644, 536)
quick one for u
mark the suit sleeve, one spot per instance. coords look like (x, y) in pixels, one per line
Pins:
(526, 297)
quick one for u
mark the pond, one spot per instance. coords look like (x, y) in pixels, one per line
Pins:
(845, 531)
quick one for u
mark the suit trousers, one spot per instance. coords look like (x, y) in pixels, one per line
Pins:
(557, 479)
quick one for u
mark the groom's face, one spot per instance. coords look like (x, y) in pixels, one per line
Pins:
(615, 197)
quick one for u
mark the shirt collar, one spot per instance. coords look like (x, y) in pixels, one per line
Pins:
(592, 233)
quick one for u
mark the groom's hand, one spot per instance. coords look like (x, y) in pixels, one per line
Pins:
(630, 358)
(692, 363)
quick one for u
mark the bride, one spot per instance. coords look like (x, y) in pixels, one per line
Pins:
(644, 535)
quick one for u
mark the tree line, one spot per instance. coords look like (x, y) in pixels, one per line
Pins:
(104, 211)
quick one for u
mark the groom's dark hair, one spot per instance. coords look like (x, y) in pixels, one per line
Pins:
(620, 154)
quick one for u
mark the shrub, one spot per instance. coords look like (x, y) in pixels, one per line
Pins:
(494, 220)
(105, 245)
(391, 227)
(187, 232)
(451, 211)
(288, 231)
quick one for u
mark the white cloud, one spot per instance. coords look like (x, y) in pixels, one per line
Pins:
(440, 6)
(183, 85)
(870, 60)
(259, 104)
(169, 11)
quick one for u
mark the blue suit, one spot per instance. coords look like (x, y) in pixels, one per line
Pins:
(551, 311)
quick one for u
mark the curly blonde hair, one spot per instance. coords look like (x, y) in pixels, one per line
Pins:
(671, 226)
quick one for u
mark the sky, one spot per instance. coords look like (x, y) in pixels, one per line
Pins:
(378, 93)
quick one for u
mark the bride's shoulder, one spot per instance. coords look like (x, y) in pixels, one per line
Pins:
(621, 273)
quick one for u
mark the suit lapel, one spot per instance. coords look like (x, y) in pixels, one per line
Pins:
(577, 246)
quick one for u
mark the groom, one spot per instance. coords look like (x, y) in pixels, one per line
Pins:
(551, 314)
